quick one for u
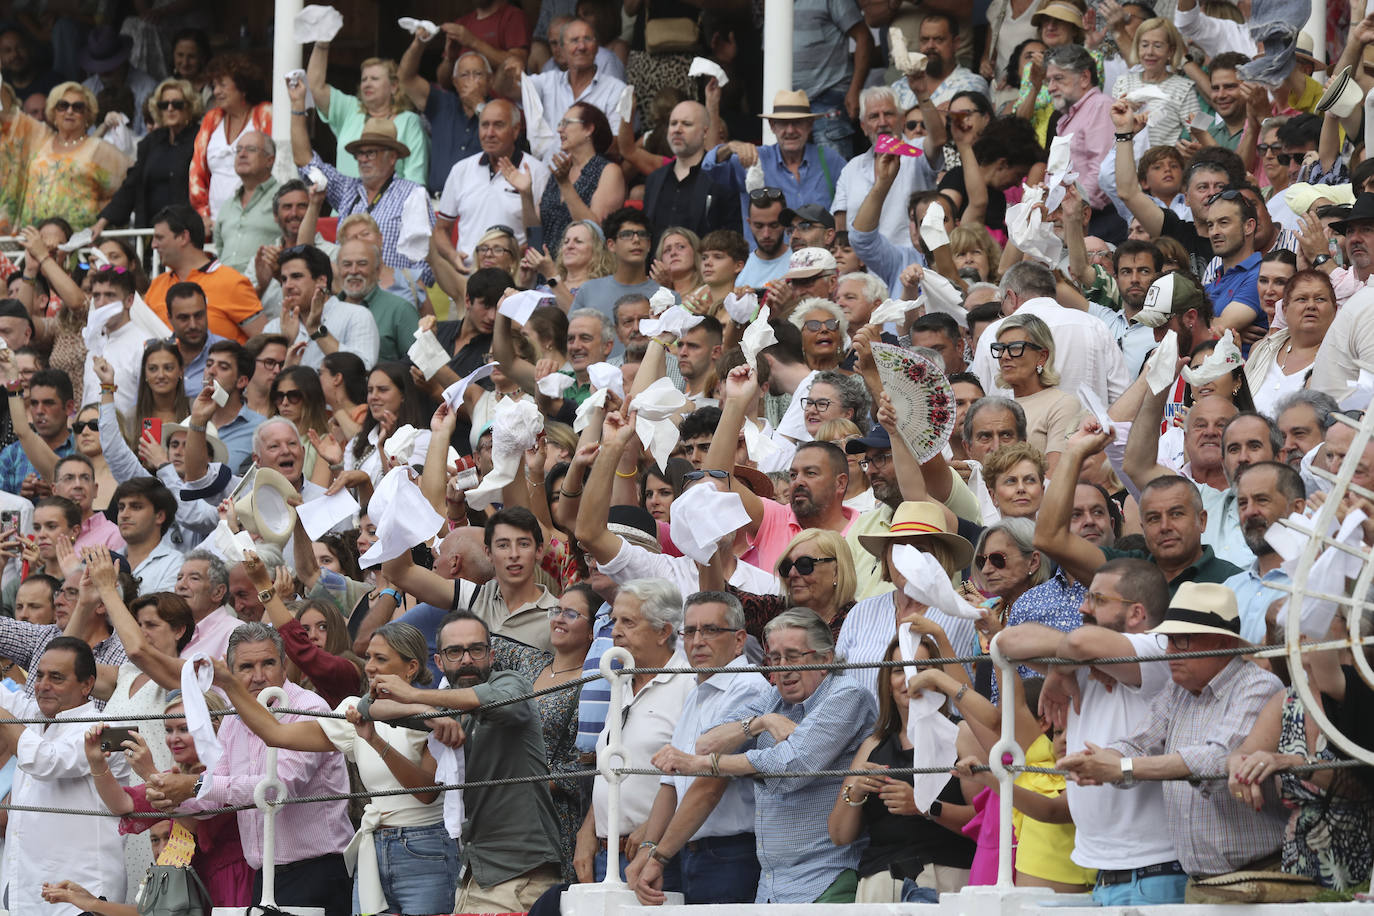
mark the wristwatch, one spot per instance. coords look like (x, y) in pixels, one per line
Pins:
(200, 782)
(267, 594)
(936, 808)
(1320, 259)
(1127, 771)
(322, 332)
(553, 282)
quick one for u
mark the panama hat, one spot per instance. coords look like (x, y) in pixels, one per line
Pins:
(1201, 608)
(1064, 12)
(218, 452)
(378, 132)
(920, 520)
(790, 104)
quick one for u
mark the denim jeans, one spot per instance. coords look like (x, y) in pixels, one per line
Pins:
(720, 869)
(1142, 891)
(419, 869)
(837, 133)
(672, 872)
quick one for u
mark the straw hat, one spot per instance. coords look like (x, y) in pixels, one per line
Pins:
(1201, 608)
(1064, 12)
(379, 132)
(916, 520)
(790, 105)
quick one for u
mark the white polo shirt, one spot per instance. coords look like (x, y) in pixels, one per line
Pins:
(556, 93)
(479, 197)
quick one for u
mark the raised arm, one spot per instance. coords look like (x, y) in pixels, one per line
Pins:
(1150, 214)
(595, 507)
(165, 670)
(300, 136)
(1080, 558)
(416, 87)
(1141, 463)
(741, 388)
(316, 76)
(434, 477)
(424, 584)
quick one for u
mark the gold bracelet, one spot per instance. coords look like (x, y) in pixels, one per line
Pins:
(631, 476)
(106, 773)
(715, 764)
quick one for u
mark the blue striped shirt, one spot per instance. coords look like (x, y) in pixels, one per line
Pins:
(595, 699)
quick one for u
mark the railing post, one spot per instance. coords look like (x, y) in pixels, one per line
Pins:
(268, 807)
(613, 756)
(1006, 744)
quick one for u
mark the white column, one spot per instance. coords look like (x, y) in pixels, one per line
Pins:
(286, 56)
(1316, 27)
(777, 54)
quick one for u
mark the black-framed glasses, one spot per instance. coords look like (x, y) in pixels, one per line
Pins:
(1263, 148)
(695, 475)
(1229, 193)
(815, 324)
(1289, 158)
(883, 458)
(1181, 642)
(569, 614)
(477, 651)
(82, 426)
(766, 194)
(997, 558)
(289, 396)
(486, 251)
(1016, 349)
(629, 235)
(821, 404)
(271, 363)
(803, 565)
(705, 632)
(170, 104)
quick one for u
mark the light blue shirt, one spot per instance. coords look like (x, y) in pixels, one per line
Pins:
(1254, 594)
(758, 273)
(237, 436)
(882, 257)
(193, 376)
(1224, 534)
(869, 626)
(816, 184)
(158, 571)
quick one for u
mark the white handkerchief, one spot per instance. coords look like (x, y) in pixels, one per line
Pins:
(293, 77)
(754, 177)
(758, 336)
(228, 544)
(197, 678)
(604, 375)
(702, 516)
(97, 257)
(893, 310)
(428, 355)
(1159, 303)
(933, 227)
(514, 429)
(700, 66)
(905, 60)
(404, 518)
(942, 296)
(94, 332)
(1058, 160)
(1161, 366)
(1028, 230)
(317, 23)
(414, 25)
(554, 384)
(415, 226)
(741, 309)
(1200, 121)
(521, 306)
(986, 508)
(654, 408)
(625, 105)
(675, 320)
(543, 141)
(1095, 406)
(793, 422)
(928, 583)
(594, 402)
(1060, 172)
(1224, 359)
(318, 181)
(450, 769)
(931, 732)
(1288, 542)
(1147, 94)
(219, 394)
(400, 445)
(662, 300)
(324, 512)
(79, 239)
(453, 394)
(758, 443)
(778, 458)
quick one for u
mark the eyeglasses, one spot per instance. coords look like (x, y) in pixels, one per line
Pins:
(694, 476)
(289, 395)
(821, 404)
(766, 194)
(477, 651)
(997, 559)
(369, 153)
(177, 104)
(884, 458)
(1289, 158)
(1015, 349)
(565, 613)
(1097, 599)
(629, 235)
(1229, 193)
(566, 121)
(815, 325)
(1181, 643)
(1263, 148)
(706, 632)
(803, 565)
(270, 363)
(64, 105)
(485, 251)
(85, 425)
(788, 658)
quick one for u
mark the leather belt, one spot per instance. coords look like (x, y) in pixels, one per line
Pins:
(1107, 877)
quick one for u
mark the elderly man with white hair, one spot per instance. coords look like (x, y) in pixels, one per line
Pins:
(881, 116)
(858, 294)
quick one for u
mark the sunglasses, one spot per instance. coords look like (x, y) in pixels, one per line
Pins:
(998, 560)
(1263, 148)
(913, 125)
(803, 565)
(1229, 193)
(64, 105)
(693, 476)
(172, 104)
(85, 425)
(766, 194)
(291, 396)
(1288, 158)
(1015, 349)
(830, 324)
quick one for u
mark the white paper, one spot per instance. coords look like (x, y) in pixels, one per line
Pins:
(625, 105)
(521, 306)
(1095, 406)
(1160, 368)
(196, 679)
(703, 515)
(400, 445)
(453, 394)
(404, 518)
(1200, 121)
(700, 66)
(427, 353)
(662, 300)
(1030, 232)
(413, 25)
(931, 732)
(741, 309)
(220, 395)
(654, 408)
(324, 512)
(318, 181)
(228, 544)
(674, 320)
(79, 239)
(604, 375)
(933, 227)
(1224, 359)
(317, 23)
(757, 337)
(554, 384)
(1159, 303)
(1060, 172)
(928, 583)
(415, 226)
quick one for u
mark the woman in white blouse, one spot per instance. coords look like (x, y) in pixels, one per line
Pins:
(1160, 50)
(413, 868)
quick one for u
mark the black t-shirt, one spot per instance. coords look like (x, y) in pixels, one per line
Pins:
(996, 217)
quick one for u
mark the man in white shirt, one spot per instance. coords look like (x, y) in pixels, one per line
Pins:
(314, 319)
(120, 342)
(1122, 833)
(1085, 354)
(715, 838)
(147, 511)
(583, 81)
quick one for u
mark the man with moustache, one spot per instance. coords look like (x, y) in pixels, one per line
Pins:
(360, 266)
(679, 193)
(1266, 491)
(944, 75)
(1116, 298)
(510, 839)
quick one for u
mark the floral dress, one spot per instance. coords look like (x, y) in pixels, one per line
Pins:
(558, 712)
(20, 137)
(74, 184)
(1328, 834)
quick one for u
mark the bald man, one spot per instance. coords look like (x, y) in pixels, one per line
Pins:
(461, 553)
(679, 193)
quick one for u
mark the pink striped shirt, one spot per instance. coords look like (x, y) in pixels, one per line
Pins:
(303, 831)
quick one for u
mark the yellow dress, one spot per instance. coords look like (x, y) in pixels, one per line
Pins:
(73, 184)
(1042, 850)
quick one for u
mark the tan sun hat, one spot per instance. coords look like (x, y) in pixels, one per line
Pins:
(1064, 12)
(1201, 608)
(378, 132)
(790, 105)
(916, 520)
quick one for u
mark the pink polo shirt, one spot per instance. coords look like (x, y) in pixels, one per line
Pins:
(776, 531)
(99, 531)
(212, 634)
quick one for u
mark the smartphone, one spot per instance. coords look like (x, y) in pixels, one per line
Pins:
(9, 520)
(152, 429)
(113, 738)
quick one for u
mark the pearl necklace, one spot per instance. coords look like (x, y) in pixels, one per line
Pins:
(69, 144)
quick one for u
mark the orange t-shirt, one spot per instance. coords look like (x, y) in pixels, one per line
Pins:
(229, 294)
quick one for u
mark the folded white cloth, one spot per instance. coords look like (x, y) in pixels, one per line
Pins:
(654, 408)
(905, 60)
(1095, 406)
(521, 306)
(703, 515)
(928, 583)
(930, 731)
(604, 375)
(940, 295)
(1160, 367)
(79, 239)
(197, 676)
(741, 309)
(554, 384)
(96, 320)
(1224, 359)
(1028, 230)
(933, 227)
(514, 430)
(414, 25)
(662, 300)
(1146, 94)
(674, 320)
(453, 394)
(758, 441)
(318, 181)
(293, 77)
(1159, 303)
(700, 66)
(543, 141)
(754, 177)
(400, 445)
(415, 226)
(220, 394)
(793, 422)
(987, 509)
(404, 518)
(317, 23)
(625, 105)
(757, 337)
(1059, 172)
(893, 310)
(427, 353)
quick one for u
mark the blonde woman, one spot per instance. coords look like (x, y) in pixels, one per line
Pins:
(380, 95)
(1024, 351)
(70, 174)
(162, 164)
(817, 572)
(677, 261)
(1160, 49)
(582, 256)
(976, 249)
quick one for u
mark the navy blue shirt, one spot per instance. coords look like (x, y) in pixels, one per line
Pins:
(453, 135)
